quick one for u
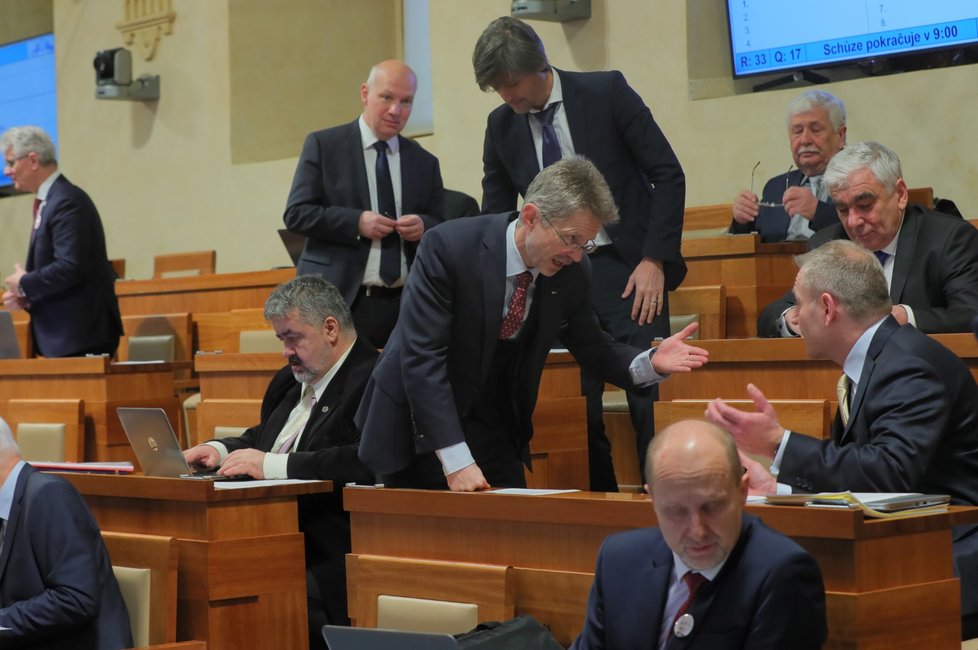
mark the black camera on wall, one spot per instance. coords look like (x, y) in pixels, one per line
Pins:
(113, 67)
(113, 77)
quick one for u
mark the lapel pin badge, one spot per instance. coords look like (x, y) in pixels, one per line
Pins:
(683, 625)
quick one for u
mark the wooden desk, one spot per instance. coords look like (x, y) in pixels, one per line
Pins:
(889, 583)
(241, 579)
(102, 385)
(200, 293)
(779, 367)
(753, 273)
(559, 446)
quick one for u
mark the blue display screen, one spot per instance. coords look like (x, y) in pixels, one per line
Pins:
(773, 35)
(27, 87)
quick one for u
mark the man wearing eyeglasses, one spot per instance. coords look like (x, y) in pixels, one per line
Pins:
(66, 283)
(450, 402)
(551, 114)
(797, 203)
(930, 259)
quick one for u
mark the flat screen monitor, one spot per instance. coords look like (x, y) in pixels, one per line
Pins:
(774, 35)
(27, 88)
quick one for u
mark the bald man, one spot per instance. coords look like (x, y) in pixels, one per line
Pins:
(363, 195)
(709, 576)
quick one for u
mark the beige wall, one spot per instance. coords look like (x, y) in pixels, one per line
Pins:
(163, 174)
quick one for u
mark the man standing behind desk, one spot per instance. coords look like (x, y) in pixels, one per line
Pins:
(552, 114)
(363, 196)
(797, 203)
(57, 588)
(67, 283)
(307, 432)
(930, 259)
(709, 576)
(451, 401)
(906, 420)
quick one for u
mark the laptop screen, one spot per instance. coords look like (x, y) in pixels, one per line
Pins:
(361, 638)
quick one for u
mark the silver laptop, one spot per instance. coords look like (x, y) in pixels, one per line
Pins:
(294, 243)
(362, 638)
(155, 444)
(9, 347)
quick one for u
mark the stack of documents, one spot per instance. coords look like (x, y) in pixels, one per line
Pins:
(873, 504)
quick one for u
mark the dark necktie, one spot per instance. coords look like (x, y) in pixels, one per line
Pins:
(517, 307)
(551, 148)
(390, 246)
(882, 257)
(693, 582)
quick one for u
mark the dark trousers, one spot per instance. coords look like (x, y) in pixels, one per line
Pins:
(609, 275)
(376, 314)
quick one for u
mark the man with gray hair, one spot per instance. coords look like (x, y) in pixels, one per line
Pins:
(906, 420)
(307, 431)
(451, 400)
(363, 195)
(66, 283)
(930, 259)
(795, 204)
(57, 588)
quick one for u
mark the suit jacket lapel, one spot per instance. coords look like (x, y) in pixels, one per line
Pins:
(576, 110)
(492, 270)
(14, 521)
(328, 405)
(409, 183)
(355, 156)
(906, 245)
(658, 580)
(883, 334)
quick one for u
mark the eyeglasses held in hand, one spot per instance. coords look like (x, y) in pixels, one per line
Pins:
(787, 184)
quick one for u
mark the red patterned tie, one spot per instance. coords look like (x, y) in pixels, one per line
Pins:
(517, 307)
(693, 582)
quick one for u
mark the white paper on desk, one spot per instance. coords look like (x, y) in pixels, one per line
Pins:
(528, 492)
(241, 485)
(755, 498)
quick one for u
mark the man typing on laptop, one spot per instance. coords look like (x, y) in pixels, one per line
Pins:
(306, 430)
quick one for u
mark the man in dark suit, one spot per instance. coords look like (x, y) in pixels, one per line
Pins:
(930, 259)
(307, 432)
(67, 283)
(550, 114)
(906, 420)
(363, 212)
(57, 588)
(796, 204)
(709, 576)
(452, 397)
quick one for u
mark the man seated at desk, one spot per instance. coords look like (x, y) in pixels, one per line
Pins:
(930, 259)
(906, 420)
(57, 588)
(709, 576)
(796, 204)
(307, 432)
(450, 404)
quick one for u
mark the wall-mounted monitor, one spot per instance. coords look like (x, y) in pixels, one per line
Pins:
(27, 89)
(774, 35)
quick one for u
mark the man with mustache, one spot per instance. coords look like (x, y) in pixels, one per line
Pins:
(306, 430)
(363, 195)
(709, 576)
(930, 259)
(796, 204)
